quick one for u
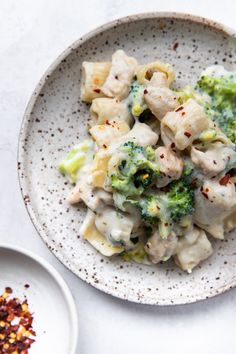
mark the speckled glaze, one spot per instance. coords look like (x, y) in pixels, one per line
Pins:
(55, 120)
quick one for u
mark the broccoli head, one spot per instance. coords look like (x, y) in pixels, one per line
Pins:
(137, 105)
(153, 211)
(143, 178)
(125, 186)
(75, 159)
(148, 207)
(166, 209)
(136, 171)
(222, 107)
(180, 199)
(135, 175)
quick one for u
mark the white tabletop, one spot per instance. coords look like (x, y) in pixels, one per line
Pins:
(32, 35)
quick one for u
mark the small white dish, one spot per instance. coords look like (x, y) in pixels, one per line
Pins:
(49, 298)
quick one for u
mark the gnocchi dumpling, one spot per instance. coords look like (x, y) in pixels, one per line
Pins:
(105, 134)
(106, 109)
(119, 79)
(159, 98)
(93, 77)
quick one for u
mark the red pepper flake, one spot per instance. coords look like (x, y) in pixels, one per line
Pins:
(8, 290)
(205, 195)
(116, 77)
(187, 134)
(166, 224)
(107, 122)
(193, 184)
(175, 46)
(162, 156)
(16, 331)
(165, 189)
(183, 113)
(145, 91)
(224, 180)
(214, 162)
(179, 109)
(105, 146)
(172, 145)
(207, 190)
(97, 90)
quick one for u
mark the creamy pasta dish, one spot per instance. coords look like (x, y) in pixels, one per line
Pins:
(158, 170)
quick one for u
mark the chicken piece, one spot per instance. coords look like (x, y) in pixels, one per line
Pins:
(141, 134)
(105, 134)
(120, 76)
(85, 191)
(159, 98)
(116, 226)
(105, 109)
(214, 160)
(159, 249)
(214, 202)
(171, 166)
(192, 248)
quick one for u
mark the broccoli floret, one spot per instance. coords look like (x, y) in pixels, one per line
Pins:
(208, 135)
(138, 158)
(219, 86)
(125, 186)
(135, 174)
(180, 199)
(143, 178)
(75, 159)
(137, 170)
(188, 92)
(119, 200)
(188, 169)
(222, 107)
(137, 105)
(138, 254)
(153, 210)
(165, 209)
(149, 208)
(150, 152)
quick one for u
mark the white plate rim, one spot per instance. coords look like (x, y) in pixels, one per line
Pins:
(62, 285)
(20, 152)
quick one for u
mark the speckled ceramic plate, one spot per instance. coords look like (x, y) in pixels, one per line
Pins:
(55, 120)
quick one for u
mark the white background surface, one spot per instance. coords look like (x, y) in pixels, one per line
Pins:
(32, 34)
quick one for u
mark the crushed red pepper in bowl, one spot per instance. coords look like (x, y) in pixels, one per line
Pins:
(16, 331)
